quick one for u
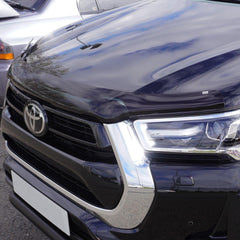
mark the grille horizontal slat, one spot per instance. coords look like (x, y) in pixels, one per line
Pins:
(78, 130)
(15, 100)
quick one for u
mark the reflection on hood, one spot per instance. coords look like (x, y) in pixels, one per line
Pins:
(147, 58)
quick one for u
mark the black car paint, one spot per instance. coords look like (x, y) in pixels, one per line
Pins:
(151, 59)
(183, 56)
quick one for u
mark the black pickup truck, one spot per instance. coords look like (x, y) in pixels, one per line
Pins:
(126, 125)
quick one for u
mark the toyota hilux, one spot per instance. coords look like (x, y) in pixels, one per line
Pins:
(126, 126)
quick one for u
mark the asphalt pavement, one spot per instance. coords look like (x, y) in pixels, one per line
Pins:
(13, 225)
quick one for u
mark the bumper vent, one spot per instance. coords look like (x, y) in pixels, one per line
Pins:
(41, 163)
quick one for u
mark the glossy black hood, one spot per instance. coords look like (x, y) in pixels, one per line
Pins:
(153, 57)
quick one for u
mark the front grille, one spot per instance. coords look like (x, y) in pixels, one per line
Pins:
(75, 129)
(78, 137)
(60, 123)
(84, 145)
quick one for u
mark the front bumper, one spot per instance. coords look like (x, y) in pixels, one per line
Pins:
(191, 201)
(77, 216)
(174, 215)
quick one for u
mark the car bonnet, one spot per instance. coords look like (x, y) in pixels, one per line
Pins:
(151, 57)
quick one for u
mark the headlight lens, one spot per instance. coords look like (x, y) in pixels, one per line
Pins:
(216, 133)
(6, 51)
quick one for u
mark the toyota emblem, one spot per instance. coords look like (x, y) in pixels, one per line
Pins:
(35, 118)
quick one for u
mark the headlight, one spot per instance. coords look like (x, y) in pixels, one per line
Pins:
(6, 51)
(216, 133)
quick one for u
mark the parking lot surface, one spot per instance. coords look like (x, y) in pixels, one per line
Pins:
(13, 225)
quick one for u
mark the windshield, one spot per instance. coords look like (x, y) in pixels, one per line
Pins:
(34, 4)
(110, 4)
(96, 6)
(88, 6)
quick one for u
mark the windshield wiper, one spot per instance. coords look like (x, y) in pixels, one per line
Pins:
(19, 5)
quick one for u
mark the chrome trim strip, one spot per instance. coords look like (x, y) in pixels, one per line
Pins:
(139, 189)
(130, 155)
(190, 118)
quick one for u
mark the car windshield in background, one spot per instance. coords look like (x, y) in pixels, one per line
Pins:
(88, 6)
(107, 4)
(26, 4)
(96, 6)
